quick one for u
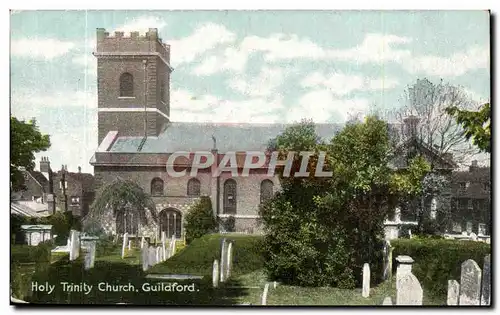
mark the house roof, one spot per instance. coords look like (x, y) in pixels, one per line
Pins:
(30, 209)
(86, 179)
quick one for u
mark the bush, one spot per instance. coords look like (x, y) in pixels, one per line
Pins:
(31, 254)
(200, 220)
(439, 260)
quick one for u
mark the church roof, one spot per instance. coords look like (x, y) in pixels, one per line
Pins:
(188, 136)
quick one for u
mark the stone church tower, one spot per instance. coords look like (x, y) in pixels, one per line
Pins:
(133, 79)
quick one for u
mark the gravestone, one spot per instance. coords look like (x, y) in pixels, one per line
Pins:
(470, 283)
(404, 267)
(145, 256)
(409, 234)
(124, 244)
(473, 236)
(264, 294)
(486, 282)
(387, 261)
(152, 256)
(172, 244)
(387, 301)
(453, 292)
(366, 280)
(229, 262)
(129, 245)
(223, 257)
(142, 242)
(74, 251)
(408, 290)
(158, 254)
(163, 246)
(93, 248)
(215, 274)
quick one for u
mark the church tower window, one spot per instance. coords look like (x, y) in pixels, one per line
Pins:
(126, 85)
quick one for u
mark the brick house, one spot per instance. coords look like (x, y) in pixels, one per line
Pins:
(45, 188)
(471, 201)
(136, 136)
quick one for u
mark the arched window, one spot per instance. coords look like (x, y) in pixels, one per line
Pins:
(126, 84)
(266, 190)
(193, 187)
(157, 187)
(230, 196)
(170, 223)
(127, 221)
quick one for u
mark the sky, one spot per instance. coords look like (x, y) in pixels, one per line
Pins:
(244, 66)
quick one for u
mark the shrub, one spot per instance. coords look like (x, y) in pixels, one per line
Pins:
(439, 260)
(200, 220)
(30, 254)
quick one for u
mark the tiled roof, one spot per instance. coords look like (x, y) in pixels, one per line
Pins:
(29, 209)
(187, 136)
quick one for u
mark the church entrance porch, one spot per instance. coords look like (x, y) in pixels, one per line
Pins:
(170, 222)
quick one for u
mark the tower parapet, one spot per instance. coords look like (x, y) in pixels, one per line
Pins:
(134, 42)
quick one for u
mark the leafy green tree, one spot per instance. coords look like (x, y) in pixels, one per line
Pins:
(121, 197)
(320, 231)
(26, 140)
(477, 125)
(200, 220)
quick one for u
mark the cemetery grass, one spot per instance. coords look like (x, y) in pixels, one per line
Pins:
(325, 296)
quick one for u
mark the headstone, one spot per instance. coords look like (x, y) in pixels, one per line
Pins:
(223, 257)
(387, 301)
(163, 248)
(152, 256)
(486, 283)
(275, 284)
(470, 283)
(93, 248)
(264, 294)
(404, 266)
(386, 250)
(229, 260)
(124, 244)
(158, 254)
(366, 280)
(215, 274)
(74, 251)
(145, 256)
(453, 292)
(172, 244)
(142, 242)
(473, 236)
(409, 233)
(129, 245)
(408, 290)
(163, 236)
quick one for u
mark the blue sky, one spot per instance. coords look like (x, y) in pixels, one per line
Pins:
(243, 66)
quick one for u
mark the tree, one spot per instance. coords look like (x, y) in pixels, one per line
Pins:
(26, 140)
(477, 125)
(429, 101)
(320, 231)
(123, 198)
(200, 220)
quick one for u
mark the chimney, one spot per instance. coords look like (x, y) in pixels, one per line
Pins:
(44, 164)
(473, 166)
(79, 169)
(410, 126)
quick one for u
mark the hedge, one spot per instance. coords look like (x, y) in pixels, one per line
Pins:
(31, 254)
(439, 260)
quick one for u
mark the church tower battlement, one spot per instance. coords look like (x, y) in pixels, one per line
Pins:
(133, 80)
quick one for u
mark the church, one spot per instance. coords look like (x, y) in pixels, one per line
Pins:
(137, 135)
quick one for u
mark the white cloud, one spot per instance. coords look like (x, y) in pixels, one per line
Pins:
(455, 65)
(46, 49)
(29, 103)
(265, 84)
(321, 105)
(142, 25)
(343, 84)
(88, 63)
(204, 38)
(231, 59)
